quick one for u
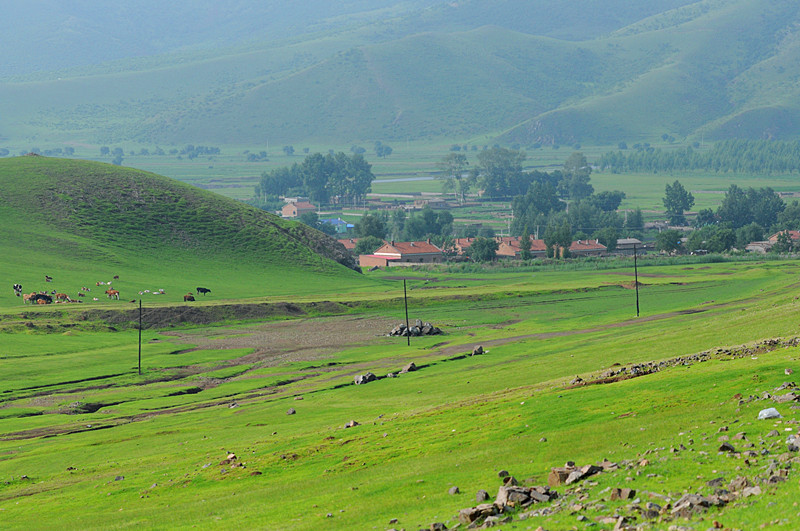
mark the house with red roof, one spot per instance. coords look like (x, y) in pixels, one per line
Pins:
(402, 254)
(587, 248)
(508, 247)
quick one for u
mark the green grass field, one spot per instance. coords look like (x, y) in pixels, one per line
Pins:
(76, 415)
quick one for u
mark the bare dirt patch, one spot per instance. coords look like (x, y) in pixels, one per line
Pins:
(279, 342)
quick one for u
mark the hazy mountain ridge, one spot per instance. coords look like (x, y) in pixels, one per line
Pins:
(400, 70)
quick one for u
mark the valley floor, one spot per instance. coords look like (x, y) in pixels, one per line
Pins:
(259, 424)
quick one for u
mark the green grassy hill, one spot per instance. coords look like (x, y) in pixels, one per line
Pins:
(710, 69)
(84, 222)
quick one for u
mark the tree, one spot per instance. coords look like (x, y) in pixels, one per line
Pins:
(289, 150)
(69, 151)
(576, 173)
(309, 218)
(668, 241)
(676, 201)
(499, 172)
(370, 225)
(453, 170)
(367, 245)
(721, 240)
(483, 250)
(398, 221)
(784, 244)
(607, 236)
(607, 201)
(749, 233)
(557, 239)
(382, 150)
(535, 207)
(704, 218)
(635, 220)
(104, 150)
(525, 244)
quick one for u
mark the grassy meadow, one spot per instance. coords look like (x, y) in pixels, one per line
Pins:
(80, 428)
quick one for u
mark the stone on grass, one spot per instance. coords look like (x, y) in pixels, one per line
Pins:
(291, 411)
(769, 413)
(365, 378)
(411, 367)
(481, 496)
(454, 490)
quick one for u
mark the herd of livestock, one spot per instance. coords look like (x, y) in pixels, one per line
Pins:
(45, 297)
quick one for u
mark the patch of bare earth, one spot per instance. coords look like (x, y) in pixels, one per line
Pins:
(280, 342)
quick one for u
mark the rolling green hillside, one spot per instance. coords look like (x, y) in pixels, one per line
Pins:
(710, 69)
(84, 222)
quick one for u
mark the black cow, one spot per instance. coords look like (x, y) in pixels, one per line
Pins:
(203, 291)
(17, 289)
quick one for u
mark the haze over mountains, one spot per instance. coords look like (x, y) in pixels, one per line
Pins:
(513, 71)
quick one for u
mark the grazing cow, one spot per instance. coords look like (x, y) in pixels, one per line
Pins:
(188, 297)
(48, 278)
(62, 297)
(41, 298)
(116, 277)
(81, 295)
(18, 290)
(28, 297)
(112, 294)
(203, 291)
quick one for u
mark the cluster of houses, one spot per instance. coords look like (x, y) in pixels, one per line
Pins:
(393, 253)
(767, 245)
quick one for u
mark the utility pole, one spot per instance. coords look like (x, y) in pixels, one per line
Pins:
(636, 279)
(140, 337)
(405, 299)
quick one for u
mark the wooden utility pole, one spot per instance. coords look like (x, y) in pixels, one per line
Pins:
(140, 337)
(405, 300)
(636, 279)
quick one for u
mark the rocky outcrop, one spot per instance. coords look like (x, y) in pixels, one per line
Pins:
(417, 329)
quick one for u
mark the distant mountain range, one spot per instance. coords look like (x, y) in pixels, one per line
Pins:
(514, 71)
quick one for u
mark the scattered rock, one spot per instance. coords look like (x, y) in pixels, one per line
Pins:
(477, 350)
(365, 378)
(454, 490)
(418, 329)
(411, 367)
(481, 496)
(291, 411)
(503, 473)
(118, 478)
(622, 494)
(351, 424)
(769, 413)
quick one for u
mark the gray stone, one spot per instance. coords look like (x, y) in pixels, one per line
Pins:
(365, 378)
(411, 367)
(477, 350)
(291, 411)
(454, 490)
(769, 413)
(481, 496)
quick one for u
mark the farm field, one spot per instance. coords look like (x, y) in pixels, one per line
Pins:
(79, 427)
